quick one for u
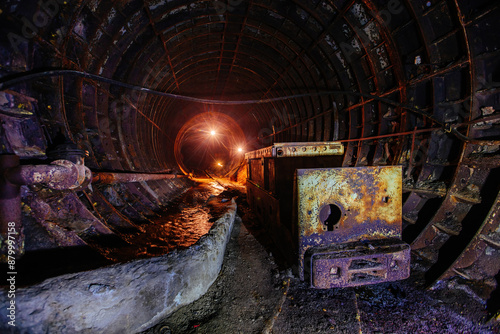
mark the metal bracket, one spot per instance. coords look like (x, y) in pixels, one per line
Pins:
(359, 263)
(298, 149)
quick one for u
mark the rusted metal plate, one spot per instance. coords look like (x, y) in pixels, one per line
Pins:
(341, 205)
(10, 211)
(359, 263)
(113, 178)
(298, 149)
(271, 176)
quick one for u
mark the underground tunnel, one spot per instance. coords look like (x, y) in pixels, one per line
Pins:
(118, 115)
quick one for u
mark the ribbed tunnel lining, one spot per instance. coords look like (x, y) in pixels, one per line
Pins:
(438, 56)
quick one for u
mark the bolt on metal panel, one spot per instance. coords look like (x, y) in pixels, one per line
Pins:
(345, 205)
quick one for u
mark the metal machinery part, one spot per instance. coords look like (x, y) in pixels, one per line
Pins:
(300, 149)
(338, 227)
(350, 224)
(270, 186)
(59, 175)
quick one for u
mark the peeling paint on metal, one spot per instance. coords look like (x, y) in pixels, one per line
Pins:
(369, 199)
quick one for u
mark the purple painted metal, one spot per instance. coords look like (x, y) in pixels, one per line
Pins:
(298, 149)
(480, 259)
(359, 263)
(60, 175)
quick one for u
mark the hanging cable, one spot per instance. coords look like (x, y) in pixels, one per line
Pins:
(28, 76)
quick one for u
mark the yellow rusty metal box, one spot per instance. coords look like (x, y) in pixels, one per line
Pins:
(357, 208)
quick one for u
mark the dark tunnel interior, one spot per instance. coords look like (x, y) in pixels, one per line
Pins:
(188, 86)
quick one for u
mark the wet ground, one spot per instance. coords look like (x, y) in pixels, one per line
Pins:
(255, 294)
(180, 225)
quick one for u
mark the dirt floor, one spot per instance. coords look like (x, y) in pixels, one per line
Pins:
(254, 294)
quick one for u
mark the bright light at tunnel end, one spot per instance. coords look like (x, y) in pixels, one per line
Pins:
(207, 139)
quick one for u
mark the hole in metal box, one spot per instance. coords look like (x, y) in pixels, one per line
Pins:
(330, 215)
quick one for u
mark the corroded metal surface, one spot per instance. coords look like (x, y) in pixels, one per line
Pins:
(59, 175)
(65, 217)
(447, 222)
(481, 257)
(359, 263)
(367, 201)
(268, 210)
(112, 178)
(299, 149)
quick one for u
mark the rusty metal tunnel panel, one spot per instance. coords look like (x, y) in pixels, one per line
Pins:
(369, 200)
(349, 211)
(413, 83)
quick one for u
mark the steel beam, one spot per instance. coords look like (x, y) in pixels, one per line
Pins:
(113, 178)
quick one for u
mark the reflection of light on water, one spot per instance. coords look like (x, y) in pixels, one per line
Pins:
(179, 227)
(185, 230)
(217, 187)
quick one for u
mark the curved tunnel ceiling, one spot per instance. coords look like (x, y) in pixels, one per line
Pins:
(438, 57)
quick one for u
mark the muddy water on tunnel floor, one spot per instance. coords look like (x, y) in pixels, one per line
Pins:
(181, 225)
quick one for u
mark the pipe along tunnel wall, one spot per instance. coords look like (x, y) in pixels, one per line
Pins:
(400, 82)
